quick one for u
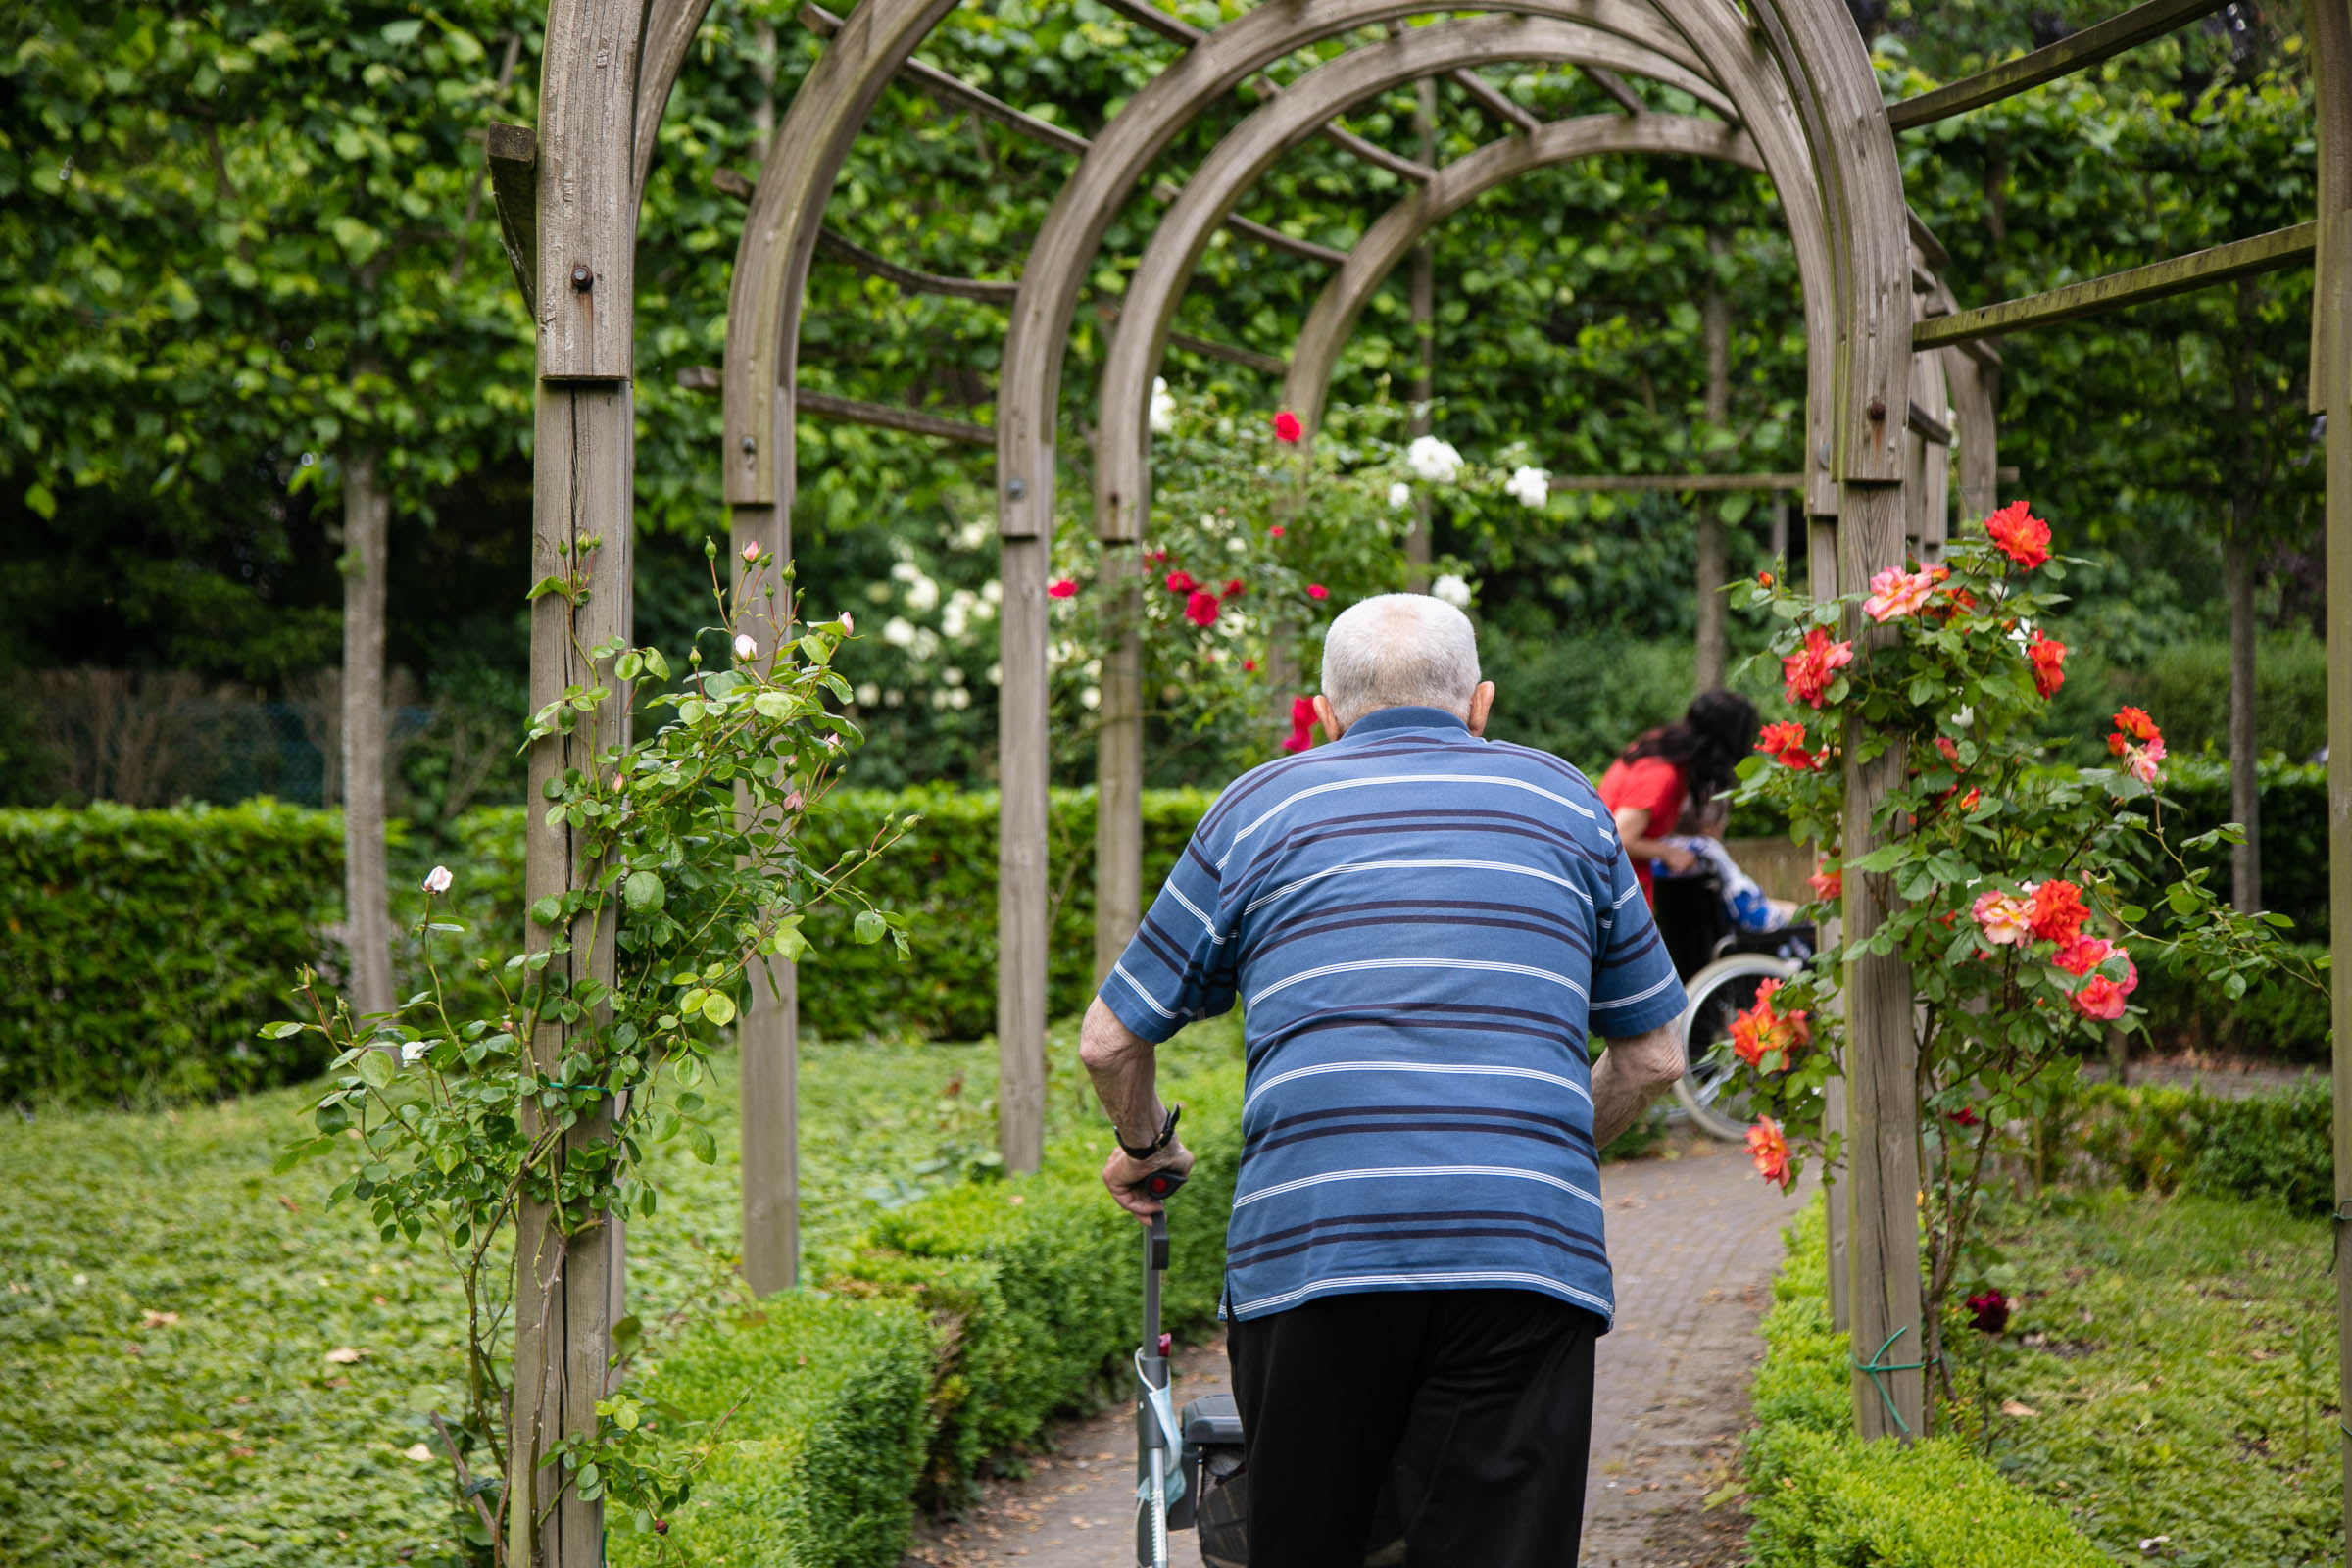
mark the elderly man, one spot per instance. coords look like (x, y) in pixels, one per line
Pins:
(1423, 927)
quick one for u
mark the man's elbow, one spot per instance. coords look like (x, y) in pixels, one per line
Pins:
(1104, 1042)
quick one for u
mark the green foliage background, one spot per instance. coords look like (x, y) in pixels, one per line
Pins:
(243, 240)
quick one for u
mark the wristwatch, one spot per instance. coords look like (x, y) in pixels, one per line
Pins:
(1167, 1136)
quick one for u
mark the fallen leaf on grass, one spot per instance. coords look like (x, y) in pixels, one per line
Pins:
(419, 1452)
(2153, 1541)
(2013, 1407)
(345, 1354)
(151, 1319)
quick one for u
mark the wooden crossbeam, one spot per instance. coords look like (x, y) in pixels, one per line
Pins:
(1618, 88)
(2264, 252)
(1589, 482)
(1928, 427)
(2066, 56)
(514, 155)
(912, 420)
(909, 280)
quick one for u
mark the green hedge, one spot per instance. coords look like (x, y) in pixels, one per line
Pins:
(951, 1330)
(2270, 1147)
(1821, 1497)
(139, 949)
(943, 876)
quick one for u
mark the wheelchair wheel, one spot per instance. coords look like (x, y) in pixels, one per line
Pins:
(1709, 1089)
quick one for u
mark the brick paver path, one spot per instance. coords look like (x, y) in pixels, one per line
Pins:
(1693, 1241)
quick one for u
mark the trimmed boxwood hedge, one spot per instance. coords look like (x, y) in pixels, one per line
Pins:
(1821, 1497)
(2276, 1146)
(140, 950)
(951, 1330)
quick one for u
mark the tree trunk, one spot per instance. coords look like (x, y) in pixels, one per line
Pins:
(2245, 797)
(1425, 344)
(1710, 658)
(366, 901)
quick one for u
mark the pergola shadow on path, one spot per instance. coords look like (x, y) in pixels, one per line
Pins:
(1895, 370)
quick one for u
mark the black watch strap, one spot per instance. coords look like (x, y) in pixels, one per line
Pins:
(1167, 1136)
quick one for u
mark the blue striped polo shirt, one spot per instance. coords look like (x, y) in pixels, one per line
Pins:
(1419, 926)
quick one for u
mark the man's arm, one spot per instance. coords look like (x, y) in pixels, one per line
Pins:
(1630, 1074)
(1123, 1066)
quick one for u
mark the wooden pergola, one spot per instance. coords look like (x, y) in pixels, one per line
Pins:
(1893, 363)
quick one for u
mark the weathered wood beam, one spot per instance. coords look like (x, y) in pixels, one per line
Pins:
(1618, 88)
(2064, 58)
(1938, 258)
(909, 280)
(2264, 252)
(1270, 237)
(670, 29)
(513, 152)
(912, 420)
(1927, 427)
(1588, 483)
(1231, 354)
(1494, 101)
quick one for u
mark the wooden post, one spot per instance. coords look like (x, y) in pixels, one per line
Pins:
(768, 1043)
(367, 898)
(1709, 654)
(2331, 396)
(1821, 581)
(1424, 296)
(1022, 820)
(566, 1288)
(1119, 755)
(2245, 788)
(768, 1036)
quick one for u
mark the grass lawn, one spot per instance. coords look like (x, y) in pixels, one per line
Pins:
(168, 1306)
(2178, 1356)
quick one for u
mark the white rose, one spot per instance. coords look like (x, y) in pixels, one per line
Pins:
(438, 879)
(1531, 487)
(1090, 698)
(869, 695)
(1400, 496)
(411, 1052)
(1453, 589)
(1163, 407)
(897, 631)
(1435, 460)
(744, 648)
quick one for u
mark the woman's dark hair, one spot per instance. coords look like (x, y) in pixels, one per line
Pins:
(1705, 744)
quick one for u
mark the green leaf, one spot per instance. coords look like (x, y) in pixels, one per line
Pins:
(869, 926)
(282, 1030)
(548, 911)
(788, 943)
(357, 239)
(376, 1068)
(39, 499)
(644, 891)
(719, 1008)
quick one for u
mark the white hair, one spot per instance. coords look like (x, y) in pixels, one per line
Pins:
(1400, 650)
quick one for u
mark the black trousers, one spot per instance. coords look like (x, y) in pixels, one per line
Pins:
(1477, 1406)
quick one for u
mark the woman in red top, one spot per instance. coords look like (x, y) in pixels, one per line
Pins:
(1690, 759)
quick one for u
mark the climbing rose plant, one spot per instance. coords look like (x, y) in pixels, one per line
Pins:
(2021, 894)
(689, 853)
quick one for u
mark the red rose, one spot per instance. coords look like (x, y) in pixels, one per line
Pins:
(1809, 670)
(1316, 590)
(1062, 588)
(1274, 532)
(1235, 589)
(1249, 666)
(1769, 1148)
(2048, 655)
(1964, 1116)
(1287, 427)
(1763, 579)
(1201, 607)
(2100, 998)
(1784, 742)
(1181, 581)
(2056, 912)
(1988, 1312)
(2023, 537)
(1827, 884)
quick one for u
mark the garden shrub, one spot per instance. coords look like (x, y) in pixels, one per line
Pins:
(951, 1330)
(1036, 1285)
(941, 876)
(830, 1415)
(2275, 1147)
(1821, 1497)
(140, 950)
